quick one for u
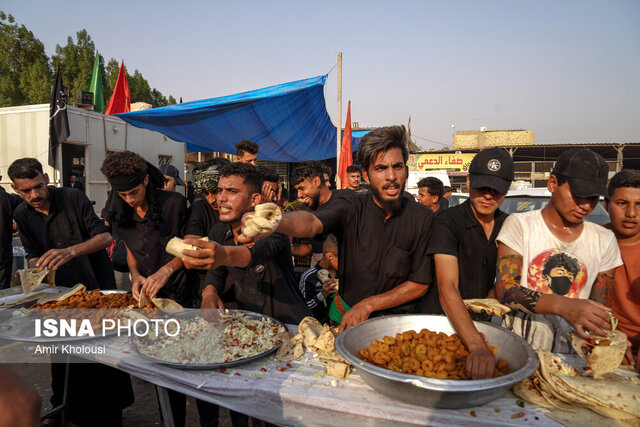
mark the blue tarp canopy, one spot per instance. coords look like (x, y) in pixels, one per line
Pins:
(289, 121)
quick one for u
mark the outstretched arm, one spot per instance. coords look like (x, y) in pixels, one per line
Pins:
(294, 224)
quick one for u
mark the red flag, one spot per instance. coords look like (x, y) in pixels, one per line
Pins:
(120, 101)
(346, 155)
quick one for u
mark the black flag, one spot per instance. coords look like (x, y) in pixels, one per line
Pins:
(58, 120)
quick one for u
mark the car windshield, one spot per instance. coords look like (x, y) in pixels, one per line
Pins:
(456, 199)
(527, 203)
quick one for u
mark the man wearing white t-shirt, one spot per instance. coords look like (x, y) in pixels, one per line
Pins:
(554, 269)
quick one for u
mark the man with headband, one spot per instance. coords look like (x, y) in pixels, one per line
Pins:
(146, 218)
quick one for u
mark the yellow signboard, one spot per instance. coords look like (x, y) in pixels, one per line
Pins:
(422, 162)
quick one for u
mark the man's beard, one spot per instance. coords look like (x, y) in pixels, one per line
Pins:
(315, 202)
(389, 205)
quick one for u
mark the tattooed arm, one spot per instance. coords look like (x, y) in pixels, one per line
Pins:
(602, 290)
(582, 314)
(508, 289)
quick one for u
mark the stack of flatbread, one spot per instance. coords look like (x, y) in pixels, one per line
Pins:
(317, 338)
(574, 398)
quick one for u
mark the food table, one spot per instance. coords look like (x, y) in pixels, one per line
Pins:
(299, 393)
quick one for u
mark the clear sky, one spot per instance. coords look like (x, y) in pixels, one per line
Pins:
(569, 70)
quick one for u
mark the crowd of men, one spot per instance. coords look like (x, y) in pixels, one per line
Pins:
(374, 249)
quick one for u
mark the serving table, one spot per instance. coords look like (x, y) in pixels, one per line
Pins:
(300, 393)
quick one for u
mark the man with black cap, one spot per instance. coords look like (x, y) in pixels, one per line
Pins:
(555, 269)
(464, 251)
(172, 177)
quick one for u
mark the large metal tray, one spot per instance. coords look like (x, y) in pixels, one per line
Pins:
(434, 392)
(215, 365)
(14, 329)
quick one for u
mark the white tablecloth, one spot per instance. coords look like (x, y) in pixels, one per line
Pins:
(302, 394)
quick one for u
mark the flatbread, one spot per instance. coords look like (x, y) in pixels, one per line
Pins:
(615, 393)
(166, 304)
(30, 278)
(491, 306)
(337, 369)
(59, 297)
(144, 300)
(310, 329)
(291, 348)
(614, 397)
(51, 278)
(264, 220)
(585, 418)
(326, 340)
(176, 245)
(603, 358)
(27, 298)
(527, 391)
(323, 275)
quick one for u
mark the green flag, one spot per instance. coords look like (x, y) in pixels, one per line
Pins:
(96, 86)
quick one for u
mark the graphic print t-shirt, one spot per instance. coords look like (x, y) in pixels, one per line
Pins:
(551, 266)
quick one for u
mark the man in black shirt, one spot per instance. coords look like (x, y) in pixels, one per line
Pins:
(262, 274)
(353, 178)
(60, 230)
(146, 218)
(465, 252)
(308, 180)
(74, 183)
(8, 204)
(203, 213)
(382, 236)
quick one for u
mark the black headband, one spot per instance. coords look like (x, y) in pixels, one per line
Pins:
(127, 182)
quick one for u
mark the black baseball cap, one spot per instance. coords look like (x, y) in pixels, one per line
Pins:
(491, 168)
(171, 171)
(586, 172)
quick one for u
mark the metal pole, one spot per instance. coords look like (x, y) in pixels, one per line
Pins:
(165, 406)
(339, 126)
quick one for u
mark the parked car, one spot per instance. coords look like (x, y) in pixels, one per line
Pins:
(457, 199)
(537, 198)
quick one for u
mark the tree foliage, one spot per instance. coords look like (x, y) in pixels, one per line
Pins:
(26, 73)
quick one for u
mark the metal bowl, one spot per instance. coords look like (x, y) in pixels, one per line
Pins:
(434, 392)
(196, 313)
